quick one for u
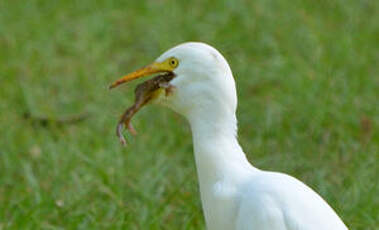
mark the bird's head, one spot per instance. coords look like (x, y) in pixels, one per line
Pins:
(202, 85)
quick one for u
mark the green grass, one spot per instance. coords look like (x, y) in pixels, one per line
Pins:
(307, 77)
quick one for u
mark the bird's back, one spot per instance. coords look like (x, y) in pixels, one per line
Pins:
(278, 201)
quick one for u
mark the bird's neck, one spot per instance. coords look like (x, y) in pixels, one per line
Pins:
(217, 152)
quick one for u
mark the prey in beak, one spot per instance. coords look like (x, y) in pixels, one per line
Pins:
(145, 91)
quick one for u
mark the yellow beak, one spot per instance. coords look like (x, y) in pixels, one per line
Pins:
(155, 67)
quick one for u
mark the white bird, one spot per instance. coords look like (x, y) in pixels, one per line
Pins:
(234, 194)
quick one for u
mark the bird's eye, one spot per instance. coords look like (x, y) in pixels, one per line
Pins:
(173, 62)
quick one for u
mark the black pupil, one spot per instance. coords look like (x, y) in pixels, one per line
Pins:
(173, 62)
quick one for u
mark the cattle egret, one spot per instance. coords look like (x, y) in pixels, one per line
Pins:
(234, 194)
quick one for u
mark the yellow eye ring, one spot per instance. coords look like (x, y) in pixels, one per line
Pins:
(173, 62)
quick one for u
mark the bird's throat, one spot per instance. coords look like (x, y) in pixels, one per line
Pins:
(217, 151)
(221, 164)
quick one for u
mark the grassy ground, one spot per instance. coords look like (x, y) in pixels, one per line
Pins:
(307, 77)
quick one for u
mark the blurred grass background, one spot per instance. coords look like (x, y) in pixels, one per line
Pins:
(307, 77)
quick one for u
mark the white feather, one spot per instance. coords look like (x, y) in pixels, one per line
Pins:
(234, 194)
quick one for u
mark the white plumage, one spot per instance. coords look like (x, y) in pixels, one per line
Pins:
(234, 194)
